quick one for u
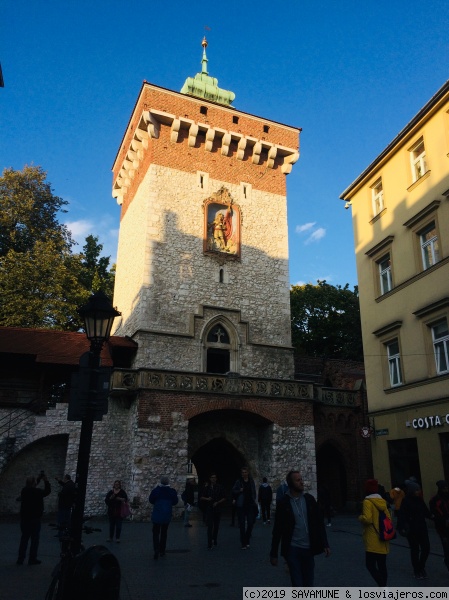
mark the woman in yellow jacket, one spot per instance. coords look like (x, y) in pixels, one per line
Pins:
(375, 550)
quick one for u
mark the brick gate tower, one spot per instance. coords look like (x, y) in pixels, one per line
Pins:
(202, 283)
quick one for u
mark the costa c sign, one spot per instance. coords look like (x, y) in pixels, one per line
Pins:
(430, 421)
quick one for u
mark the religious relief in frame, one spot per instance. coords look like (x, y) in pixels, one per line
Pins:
(222, 224)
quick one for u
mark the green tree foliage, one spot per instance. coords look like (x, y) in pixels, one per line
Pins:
(326, 321)
(96, 274)
(42, 283)
(28, 212)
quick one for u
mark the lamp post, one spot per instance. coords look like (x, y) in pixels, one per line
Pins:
(98, 315)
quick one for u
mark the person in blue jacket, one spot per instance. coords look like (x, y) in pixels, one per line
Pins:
(163, 498)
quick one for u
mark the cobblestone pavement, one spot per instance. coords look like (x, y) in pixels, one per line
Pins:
(189, 571)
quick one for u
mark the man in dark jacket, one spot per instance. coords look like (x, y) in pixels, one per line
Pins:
(244, 492)
(439, 507)
(188, 497)
(213, 497)
(299, 527)
(31, 511)
(265, 497)
(163, 498)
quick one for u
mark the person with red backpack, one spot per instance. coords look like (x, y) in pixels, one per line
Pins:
(439, 507)
(376, 550)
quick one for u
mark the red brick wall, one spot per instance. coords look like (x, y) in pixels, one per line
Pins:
(286, 413)
(180, 156)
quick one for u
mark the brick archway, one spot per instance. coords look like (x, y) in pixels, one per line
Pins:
(224, 441)
(262, 408)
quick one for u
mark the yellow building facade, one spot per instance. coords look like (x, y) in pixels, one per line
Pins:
(400, 212)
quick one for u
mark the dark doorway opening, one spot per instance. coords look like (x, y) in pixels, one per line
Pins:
(331, 473)
(218, 360)
(222, 458)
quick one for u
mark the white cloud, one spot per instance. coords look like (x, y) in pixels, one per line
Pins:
(305, 227)
(103, 229)
(80, 229)
(316, 235)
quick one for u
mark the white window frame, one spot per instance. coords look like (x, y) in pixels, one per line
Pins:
(418, 160)
(441, 348)
(377, 196)
(430, 251)
(394, 363)
(385, 278)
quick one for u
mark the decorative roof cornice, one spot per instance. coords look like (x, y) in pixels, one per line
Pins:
(149, 128)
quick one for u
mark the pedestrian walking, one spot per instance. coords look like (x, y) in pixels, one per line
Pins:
(439, 507)
(31, 511)
(376, 550)
(163, 498)
(66, 500)
(265, 498)
(115, 500)
(299, 528)
(412, 521)
(188, 497)
(281, 491)
(245, 494)
(213, 497)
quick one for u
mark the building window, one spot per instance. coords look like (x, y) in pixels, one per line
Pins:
(404, 459)
(202, 180)
(440, 337)
(386, 283)
(218, 351)
(235, 119)
(266, 129)
(377, 195)
(203, 110)
(394, 363)
(418, 160)
(429, 245)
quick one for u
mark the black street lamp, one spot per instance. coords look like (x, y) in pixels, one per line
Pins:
(98, 315)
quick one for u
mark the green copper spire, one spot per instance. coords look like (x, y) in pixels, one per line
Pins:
(203, 86)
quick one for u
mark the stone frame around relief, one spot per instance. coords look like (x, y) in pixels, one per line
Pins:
(221, 225)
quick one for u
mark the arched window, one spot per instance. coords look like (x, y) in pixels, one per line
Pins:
(220, 348)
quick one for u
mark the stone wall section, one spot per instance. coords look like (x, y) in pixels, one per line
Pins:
(141, 441)
(110, 453)
(164, 278)
(294, 448)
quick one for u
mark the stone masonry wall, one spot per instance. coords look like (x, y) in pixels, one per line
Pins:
(139, 443)
(50, 442)
(163, 277)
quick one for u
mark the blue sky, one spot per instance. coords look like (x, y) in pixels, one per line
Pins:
(351, 74)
